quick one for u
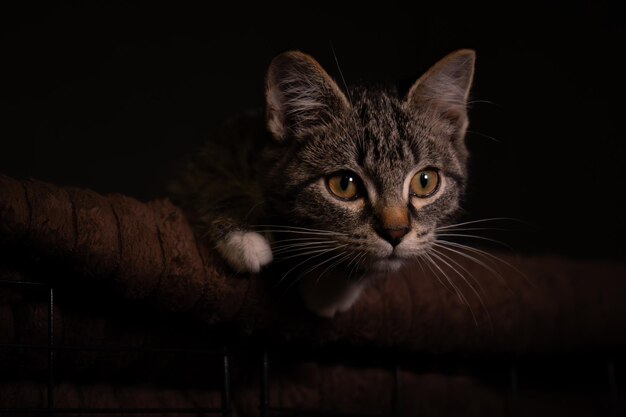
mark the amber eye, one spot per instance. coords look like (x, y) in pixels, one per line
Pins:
(425, 183)
(344, 185)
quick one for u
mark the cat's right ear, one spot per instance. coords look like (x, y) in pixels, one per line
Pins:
(445, 87)
(299, 95)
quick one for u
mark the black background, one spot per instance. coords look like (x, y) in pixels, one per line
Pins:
(110, 96)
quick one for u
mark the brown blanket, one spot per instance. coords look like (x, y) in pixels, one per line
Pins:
(128, 273)
(148, 252)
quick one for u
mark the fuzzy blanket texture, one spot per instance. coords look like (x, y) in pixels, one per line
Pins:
(125, 270)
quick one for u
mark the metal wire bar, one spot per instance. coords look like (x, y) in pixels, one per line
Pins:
(265, 401)
(226, 390)
(51, 348)
(513, 380)
(226, 409)
(51, 352)
(395, 392)
(14, 283)
(612, 377)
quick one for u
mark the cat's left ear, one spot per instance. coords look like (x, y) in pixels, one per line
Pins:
(445, 88)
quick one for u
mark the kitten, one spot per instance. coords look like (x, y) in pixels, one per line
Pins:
(339, 186)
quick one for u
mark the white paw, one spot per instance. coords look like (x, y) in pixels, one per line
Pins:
(245, 251)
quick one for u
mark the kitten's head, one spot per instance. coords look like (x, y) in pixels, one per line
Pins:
(370, 173)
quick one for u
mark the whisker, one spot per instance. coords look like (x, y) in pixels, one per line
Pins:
(302, 232)
(474, 259)
(312, 252)
(310, 246)
(487, 255)
(477, 292)
(475, 237)
(483, 102)
(473, 132)
(341, 73)
(334, 264)
(457, 290)
(286, 227)
(460, 266)
(359, 259)
(418, 258)
(303, 262)
(252, 209)
(472, 229)
(308, 271)
(352, 261)
(300, 239)
(491, 219)
(443, 284)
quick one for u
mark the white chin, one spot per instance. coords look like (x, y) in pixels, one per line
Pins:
(386, 265)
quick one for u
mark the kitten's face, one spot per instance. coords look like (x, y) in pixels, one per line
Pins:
(373, 175)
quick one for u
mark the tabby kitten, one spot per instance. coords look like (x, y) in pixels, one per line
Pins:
(340, 186)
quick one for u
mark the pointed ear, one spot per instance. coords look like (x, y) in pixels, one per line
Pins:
(299, 95)
(445, 88)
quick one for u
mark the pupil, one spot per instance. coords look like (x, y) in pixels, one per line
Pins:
(424, 180)
(345, 182)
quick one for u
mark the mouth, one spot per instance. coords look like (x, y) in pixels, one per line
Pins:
(390, 263)
(399, 256)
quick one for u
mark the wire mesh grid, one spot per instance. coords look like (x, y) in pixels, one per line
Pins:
(53, 348)
(265, 408)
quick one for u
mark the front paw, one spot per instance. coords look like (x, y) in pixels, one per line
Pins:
(245, 251)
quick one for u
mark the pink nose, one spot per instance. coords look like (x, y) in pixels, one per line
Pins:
(395, 235)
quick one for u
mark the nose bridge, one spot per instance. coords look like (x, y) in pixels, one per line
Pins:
(394, 216)
(391, 208)
(392, 220)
